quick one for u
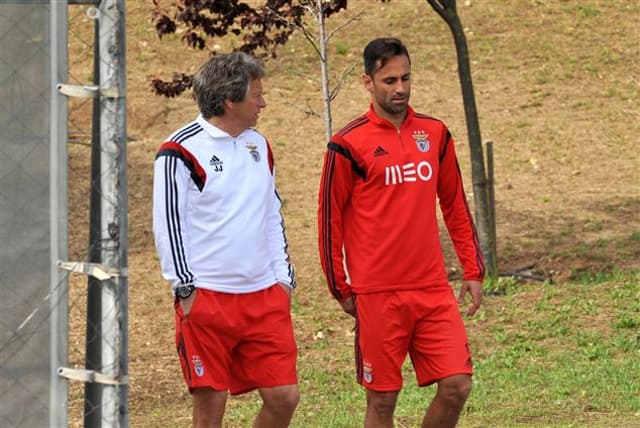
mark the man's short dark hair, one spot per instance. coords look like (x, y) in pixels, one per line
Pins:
(224, 77)
(379, 51)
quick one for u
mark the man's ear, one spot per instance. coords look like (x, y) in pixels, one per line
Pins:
(228, 105)
(367, 81)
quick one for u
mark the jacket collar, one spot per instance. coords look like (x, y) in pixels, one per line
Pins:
(213, 130)
(373, 117)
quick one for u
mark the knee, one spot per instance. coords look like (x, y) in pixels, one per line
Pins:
(290, 399)
(283, 400)
(383, 407)
(382, 403)
(455, 389)
(208, 407)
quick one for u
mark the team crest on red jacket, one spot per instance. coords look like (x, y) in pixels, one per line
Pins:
(197, 365)
(367, 372)
(422, 140)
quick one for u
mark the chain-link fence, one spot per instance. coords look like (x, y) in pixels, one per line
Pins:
(82, 52)
(39, 150)
(32, 214)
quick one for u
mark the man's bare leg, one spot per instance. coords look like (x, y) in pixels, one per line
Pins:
(208, 407)
(446, 406)
(380, 409)
(278, 405)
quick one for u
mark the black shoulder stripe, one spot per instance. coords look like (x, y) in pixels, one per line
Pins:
(353, 125)
(180, 135)
(186, 135)
(443, 152)
(344, 152)
(425, 116)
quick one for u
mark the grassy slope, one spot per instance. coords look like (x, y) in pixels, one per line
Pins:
(557, 90)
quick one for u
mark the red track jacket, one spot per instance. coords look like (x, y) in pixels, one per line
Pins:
(377, 201)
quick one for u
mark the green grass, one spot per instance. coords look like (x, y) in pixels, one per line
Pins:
(561, 355)
(565, 355)
(342, 48)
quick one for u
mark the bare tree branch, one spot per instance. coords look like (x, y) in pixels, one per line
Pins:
(306, 33)
(340, 27)
(345, 74)
(308, 111)
(311, 40)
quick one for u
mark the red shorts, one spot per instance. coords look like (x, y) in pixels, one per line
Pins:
(425, 323)
(237, 342)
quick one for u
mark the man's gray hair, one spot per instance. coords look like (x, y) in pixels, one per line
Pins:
(224, 77)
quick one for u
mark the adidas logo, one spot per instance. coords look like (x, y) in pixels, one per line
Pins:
(217, 163)
(380, 152)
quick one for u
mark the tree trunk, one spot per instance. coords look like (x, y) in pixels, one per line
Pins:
(447, 10)
(324, 68)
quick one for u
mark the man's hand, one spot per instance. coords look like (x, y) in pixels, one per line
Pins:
(349, 306)
(475, 289)
(186, 304)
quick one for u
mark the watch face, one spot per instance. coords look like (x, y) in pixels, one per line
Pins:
(184, 291)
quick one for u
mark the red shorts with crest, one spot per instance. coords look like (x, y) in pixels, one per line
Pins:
(425, 323)
(237, 342)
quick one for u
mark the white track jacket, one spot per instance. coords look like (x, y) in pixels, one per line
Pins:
(216, 211)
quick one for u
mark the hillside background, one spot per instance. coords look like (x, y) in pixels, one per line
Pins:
(557, 89)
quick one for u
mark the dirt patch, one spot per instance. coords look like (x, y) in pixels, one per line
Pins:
(557, 91)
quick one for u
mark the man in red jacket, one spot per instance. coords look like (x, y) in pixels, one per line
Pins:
(380, 247)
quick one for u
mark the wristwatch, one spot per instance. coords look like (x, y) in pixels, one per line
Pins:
(183, 291)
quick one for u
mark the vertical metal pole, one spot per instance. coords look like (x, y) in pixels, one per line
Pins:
(114, 206)
(93, 351)
(123, 286)
(59, 342)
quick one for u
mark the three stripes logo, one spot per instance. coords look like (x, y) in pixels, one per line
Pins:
(380, 152)
(217, 163)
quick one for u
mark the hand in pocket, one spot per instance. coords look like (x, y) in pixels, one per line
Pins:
(187, 304)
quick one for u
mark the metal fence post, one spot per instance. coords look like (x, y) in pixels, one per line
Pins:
(93, 355)
(59, 305)
(114, 211)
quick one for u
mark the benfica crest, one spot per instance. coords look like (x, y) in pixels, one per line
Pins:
(197, 365)
(422, 140)
(367, 372)
(255, 154)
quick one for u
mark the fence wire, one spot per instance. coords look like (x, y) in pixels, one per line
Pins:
(27, 300)
(26, 228)
(93, 341)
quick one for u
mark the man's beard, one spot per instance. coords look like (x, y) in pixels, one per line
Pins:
(395, 109)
